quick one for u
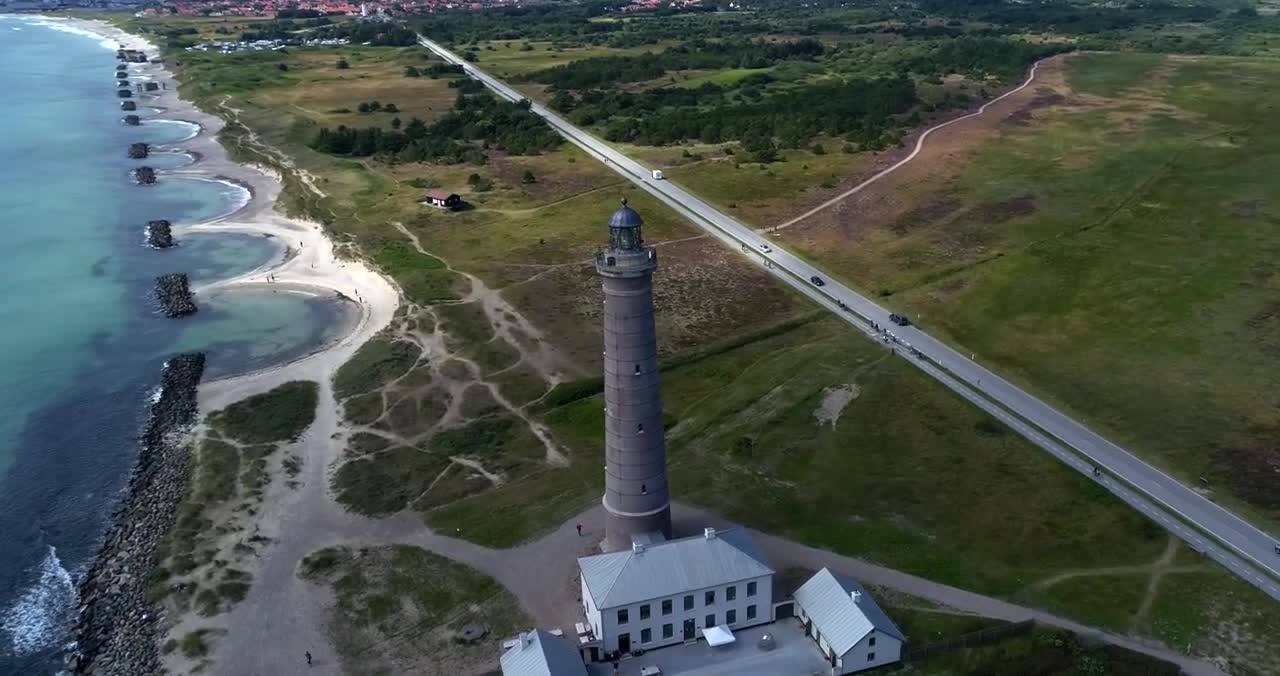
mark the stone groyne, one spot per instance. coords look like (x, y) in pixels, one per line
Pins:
(139, 151)
(174, 293)
(116, 627)
(132, 120)
(128, 106)
(160, 235)
(144, 175)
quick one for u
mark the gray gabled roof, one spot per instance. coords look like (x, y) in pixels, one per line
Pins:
(542, 654)
(827, 600)
(670, 568)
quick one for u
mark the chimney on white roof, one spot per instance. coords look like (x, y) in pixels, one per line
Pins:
(526, 638)
(855, 595)
(709, 533)
(637, 547)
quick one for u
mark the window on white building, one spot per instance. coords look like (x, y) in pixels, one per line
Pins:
(871, 643)
(646, 636)
(668, 631)
(666, 607)
(709, 598)
(730, 616)
(751, 589)
(731, 593)
(751, 612)
(871, 657)
(711, 620)
(622, 616)
(688, 601)
(644, 612)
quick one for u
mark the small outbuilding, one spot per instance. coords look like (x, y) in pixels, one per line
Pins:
(851, 630)
(540, 653)
(442, 199)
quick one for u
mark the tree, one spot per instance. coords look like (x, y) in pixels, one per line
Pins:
(390, 108)
(342, 64)
(363, 107)
(410, 71)
(395, 123)
(282, 67)
(528, 177)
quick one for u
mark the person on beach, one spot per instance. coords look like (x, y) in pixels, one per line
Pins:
(308, 658)
(579, 530)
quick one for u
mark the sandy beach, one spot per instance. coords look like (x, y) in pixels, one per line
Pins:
(309, 262)
(306, 262)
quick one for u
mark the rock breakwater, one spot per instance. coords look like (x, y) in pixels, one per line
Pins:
(159, 234)
(132, 120)
(116, 628)
(139, 151)
(144, 175)
(174, 293)
(128, 106)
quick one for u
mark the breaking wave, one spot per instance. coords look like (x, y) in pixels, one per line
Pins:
(42, 617)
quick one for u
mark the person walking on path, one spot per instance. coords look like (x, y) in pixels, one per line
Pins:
(308, 658)
(579, 530)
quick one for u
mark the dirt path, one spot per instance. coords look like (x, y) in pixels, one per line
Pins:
(1031, 76)
(274, 627)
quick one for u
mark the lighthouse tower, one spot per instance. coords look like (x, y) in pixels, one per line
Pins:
(636, 497)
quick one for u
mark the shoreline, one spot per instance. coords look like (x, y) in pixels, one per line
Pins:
(117, 629)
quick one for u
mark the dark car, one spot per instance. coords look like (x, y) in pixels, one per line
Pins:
(900, 320)
(817, 281)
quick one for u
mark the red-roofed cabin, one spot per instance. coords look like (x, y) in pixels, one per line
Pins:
(442, 199)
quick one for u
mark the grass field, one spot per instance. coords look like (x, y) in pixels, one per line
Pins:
(511, 58)
(746, 439)
(1119, 257)
(400, 609)
(903, 474)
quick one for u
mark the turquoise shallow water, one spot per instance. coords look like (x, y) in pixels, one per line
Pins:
(83, 343)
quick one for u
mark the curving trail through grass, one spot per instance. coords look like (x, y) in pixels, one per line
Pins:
(1031, 76)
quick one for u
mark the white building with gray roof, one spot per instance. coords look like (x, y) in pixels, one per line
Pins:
(665, 593)
(851, 630)
(539, 653)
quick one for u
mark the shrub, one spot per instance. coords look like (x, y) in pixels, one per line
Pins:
(281, 414)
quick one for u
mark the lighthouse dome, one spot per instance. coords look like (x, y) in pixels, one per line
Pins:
(625, 217)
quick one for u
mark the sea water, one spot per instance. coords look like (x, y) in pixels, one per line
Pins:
(81, 341)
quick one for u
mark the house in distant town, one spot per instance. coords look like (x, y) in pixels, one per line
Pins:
(852, 631)
(540, 653)
(667, 592)
(442, 199)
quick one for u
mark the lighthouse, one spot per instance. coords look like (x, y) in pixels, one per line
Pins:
(636, 497)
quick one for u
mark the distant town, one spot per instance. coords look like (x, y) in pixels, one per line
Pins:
(305, 8)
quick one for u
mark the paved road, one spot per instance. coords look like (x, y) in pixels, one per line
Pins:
(1237, 544)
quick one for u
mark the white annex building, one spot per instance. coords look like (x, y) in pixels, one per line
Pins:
(669, 592)
(852, 631)
(540, 653)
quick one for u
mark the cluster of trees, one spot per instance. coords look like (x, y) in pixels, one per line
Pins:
(295, 13)
(697, 54)
(476, 123)
(549, 21)
(861, 110)
(282, 29)
(435, 71)
(1070, 17)
(376, 107)
(377, 33)
(976, 57)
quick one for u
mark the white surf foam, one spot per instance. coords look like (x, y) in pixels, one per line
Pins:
(192, 127)
(41, 619)
(237, 194)
(75, 30)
